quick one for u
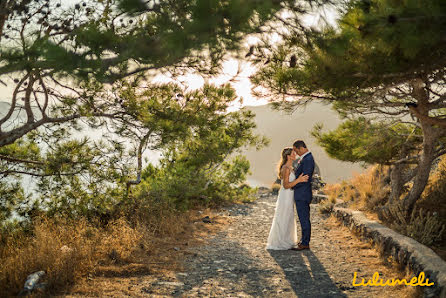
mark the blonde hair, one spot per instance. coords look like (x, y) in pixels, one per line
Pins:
(285, 152)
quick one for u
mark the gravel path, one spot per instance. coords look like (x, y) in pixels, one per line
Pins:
(234, 262)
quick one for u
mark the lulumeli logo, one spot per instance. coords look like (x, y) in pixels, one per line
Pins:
(376, 281)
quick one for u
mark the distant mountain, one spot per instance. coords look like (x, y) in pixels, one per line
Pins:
(282, 130)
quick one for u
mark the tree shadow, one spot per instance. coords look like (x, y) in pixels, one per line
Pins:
(305, 273)
(236, 269)
(226, 262)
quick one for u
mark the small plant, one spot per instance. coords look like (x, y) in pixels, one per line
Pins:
(275, 188)
(326, 206)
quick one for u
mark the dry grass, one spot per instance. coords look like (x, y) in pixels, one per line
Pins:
(64, 250)
(79, 256)
(155, 257)
(364, 191)
(275, 188)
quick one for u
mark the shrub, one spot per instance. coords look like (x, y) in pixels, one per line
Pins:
(154, 211)
(433, 197)
(367, 190)
(423, 226)
(187, 182)
(275, 188)
(326, 206)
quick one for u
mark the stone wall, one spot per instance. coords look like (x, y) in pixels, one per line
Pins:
(406, 251)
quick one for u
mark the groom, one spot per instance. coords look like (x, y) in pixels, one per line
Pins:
(303, 192)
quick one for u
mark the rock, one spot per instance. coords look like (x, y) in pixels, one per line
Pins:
(66, 249)
(32, 283)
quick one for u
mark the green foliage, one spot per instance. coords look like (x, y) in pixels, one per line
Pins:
(378, 42)
(84, 65)
(383, 61)
(196, 172)
(361, 140)
(12, 199)
(153, 35)
(87, 178)
(184, 185)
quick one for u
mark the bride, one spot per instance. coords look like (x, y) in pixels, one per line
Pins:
(283, 234)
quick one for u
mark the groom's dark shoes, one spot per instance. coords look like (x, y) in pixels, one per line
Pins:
(300, 247)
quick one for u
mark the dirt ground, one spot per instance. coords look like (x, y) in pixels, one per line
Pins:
(227, 258)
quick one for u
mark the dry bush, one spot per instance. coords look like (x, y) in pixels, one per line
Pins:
(275, 188)
(326, 206)
(64, 250)
(428, 224)
(423, 226)
(118, 240)
(434, 196)
(333, 191)
(158, 217)
(363, 191)
(67, 250)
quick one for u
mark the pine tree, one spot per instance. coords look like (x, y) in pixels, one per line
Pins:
(386, 60)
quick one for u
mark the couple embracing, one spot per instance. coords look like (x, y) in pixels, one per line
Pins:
(295, 191)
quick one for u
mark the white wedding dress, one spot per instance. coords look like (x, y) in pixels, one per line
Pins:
(283, 234)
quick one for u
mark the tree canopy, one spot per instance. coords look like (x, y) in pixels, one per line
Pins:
(383, 61)
(89, 65)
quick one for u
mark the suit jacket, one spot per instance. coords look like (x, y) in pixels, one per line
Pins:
(302, 191)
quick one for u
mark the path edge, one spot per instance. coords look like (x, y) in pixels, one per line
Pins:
(409, 253)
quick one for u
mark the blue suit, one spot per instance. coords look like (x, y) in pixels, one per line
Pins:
(303, 195)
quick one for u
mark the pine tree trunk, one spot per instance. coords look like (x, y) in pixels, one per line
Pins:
(424, 168)
(396, 183)
(400, 174)
(428, 150)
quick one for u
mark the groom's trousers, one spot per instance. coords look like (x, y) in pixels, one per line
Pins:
(303, 211)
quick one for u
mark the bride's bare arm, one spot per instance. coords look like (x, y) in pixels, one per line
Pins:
(286, 178)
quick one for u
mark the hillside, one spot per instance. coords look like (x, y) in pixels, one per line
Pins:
(282, 129)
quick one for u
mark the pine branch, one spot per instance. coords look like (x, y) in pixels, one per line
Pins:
(20, 160)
